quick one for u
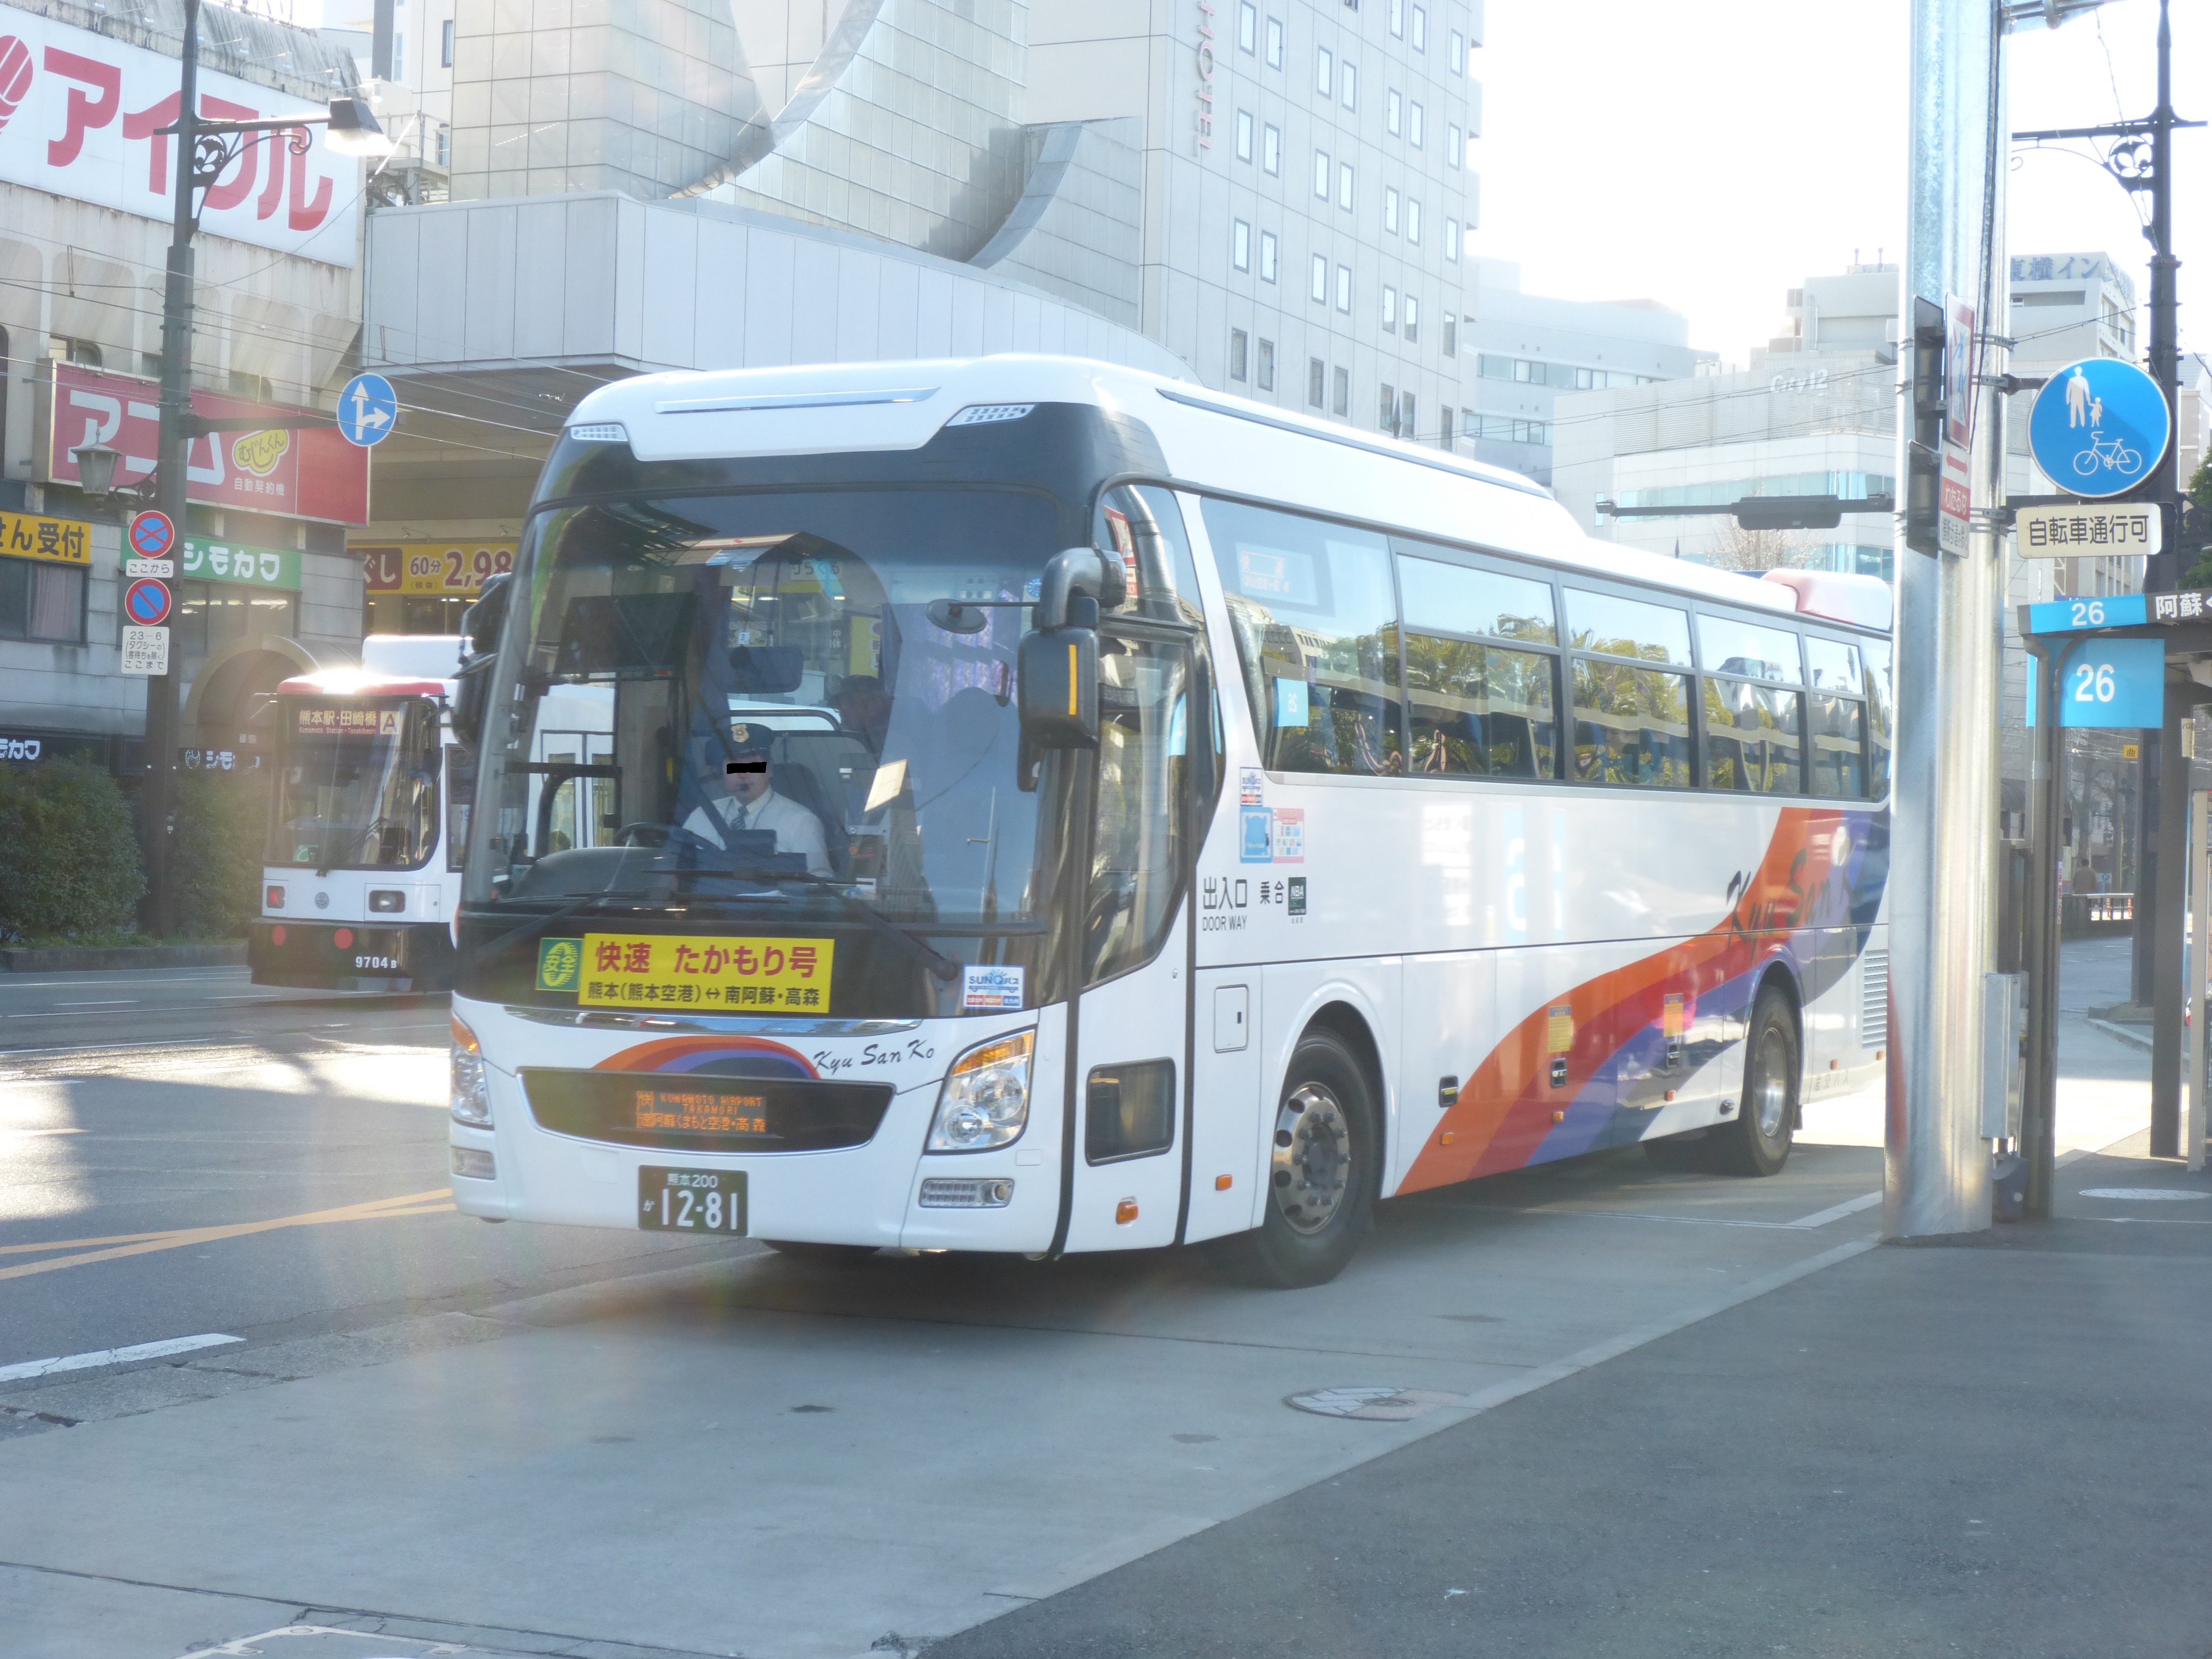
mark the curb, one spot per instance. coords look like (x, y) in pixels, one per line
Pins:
(2125, 1033)
(65, 959)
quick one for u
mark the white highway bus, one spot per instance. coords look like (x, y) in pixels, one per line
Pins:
(1052, 808)
(368, 819)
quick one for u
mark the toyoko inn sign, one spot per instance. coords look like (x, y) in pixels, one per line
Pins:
(78, 112)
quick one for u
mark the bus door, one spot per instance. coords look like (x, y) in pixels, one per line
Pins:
(1131, 1071)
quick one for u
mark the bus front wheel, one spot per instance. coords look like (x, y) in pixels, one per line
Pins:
(1757, 1143)
(1322, 1168)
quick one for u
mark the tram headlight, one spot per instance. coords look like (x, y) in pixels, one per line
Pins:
(985, 1102)
(471, 1090)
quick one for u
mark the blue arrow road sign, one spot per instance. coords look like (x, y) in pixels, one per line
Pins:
(2099, 426)
(367, 410)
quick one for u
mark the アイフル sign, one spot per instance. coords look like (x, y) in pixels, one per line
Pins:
(88, 109)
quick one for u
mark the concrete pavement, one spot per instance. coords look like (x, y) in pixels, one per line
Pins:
(741, 1454)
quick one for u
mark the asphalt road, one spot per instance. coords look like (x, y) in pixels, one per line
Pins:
(182, 1153)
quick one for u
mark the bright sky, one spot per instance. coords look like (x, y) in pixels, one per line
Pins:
(1712, 156)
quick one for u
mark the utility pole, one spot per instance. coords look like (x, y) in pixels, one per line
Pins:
(171, 455)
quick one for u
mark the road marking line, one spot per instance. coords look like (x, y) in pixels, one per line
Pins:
(1837, 1211)
(375, 1210)
(78, 1362)
(80, 1243)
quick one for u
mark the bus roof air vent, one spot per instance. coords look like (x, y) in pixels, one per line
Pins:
(606, 432)
(1861, 601)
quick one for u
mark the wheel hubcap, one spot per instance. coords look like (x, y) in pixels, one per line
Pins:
(1769, 1094)
(1312, 1162)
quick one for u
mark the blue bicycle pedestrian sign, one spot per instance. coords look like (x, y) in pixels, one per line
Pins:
(2100, 427)
(368, 410)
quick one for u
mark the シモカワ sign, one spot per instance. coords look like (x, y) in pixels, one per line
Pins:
(78, 116)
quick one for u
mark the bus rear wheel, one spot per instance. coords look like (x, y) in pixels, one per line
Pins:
(1322, 1169)
(1757, 1143)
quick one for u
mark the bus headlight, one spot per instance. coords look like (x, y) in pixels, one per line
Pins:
(985, 1102)
(472, 1091)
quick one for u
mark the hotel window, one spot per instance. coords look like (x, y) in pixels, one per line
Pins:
(1406, 427)
(1451, 238)
(1266, 256)
(1266, 366)
(1389, 309)
(1274, 43)
(1344, 289)
(1240, 246)
(1243, 135)
(1236, 350)
(446, 44)
(1444, 430)
(1343, 398)
(1320, 173)
(1387, 417)
(1390, 210)
(1452, 334)
(1324, 67)
(1458, 52)
(1349, 82)
(1247, 25)
(1412, 320)
(1398, 18)
(1413, 124)
(1320, 280)
(1454, 147)
(1271, 147)
(1413, 220)
(1317, 380)
(1343, 185)
(1393, 111)
(1420, 29)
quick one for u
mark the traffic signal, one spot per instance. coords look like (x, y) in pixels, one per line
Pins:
(1923, 450)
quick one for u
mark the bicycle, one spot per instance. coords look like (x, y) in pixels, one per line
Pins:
(2107, 451)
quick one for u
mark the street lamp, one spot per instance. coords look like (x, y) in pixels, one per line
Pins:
(95, 469)
(205, 150)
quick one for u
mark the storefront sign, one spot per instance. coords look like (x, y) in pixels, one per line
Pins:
(229, 561)
(454, 570)
(79, 117)
(33, 536)
(309, 474)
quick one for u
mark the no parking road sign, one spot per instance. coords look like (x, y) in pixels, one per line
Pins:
(151, 535)
(2100, 427)
(146, 602)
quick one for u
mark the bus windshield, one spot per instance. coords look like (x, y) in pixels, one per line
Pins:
(357, 784)
(783, 690)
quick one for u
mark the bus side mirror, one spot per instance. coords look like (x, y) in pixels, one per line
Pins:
(1057, 688)
(481, 624)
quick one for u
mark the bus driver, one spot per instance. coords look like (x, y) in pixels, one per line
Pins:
(752, 805)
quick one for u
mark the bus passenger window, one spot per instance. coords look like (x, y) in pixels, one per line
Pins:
(1632, 723)
(1835, 763)
(1478, 710)
(1316, 636)
(1877, 663)
(1751, 737)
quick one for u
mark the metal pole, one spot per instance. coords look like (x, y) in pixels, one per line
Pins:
(171, 455)
(380, 40)
(2168, 906)
(2200, 927)
(2039, 1114)
(2161, 570)
(1943, 825)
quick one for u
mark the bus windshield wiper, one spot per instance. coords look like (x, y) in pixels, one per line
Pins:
(941, 966)
(330, 860)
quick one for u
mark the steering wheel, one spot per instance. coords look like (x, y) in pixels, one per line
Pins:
(642, 834)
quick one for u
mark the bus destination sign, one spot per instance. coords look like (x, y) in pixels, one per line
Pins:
(613, 970)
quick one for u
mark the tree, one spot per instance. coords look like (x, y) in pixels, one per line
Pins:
(2198, 511)
(1760, 550)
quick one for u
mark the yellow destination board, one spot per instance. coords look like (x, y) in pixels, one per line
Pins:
(621, 971)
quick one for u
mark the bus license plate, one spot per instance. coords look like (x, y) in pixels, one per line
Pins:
(691, 1201)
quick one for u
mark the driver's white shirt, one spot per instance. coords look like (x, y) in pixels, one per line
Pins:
(797, 829)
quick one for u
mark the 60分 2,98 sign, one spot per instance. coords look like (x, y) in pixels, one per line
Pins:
(2113, 683)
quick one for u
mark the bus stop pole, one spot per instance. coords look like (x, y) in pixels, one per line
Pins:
(2200, 921)
(2039, 1117)
(2169, 904)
